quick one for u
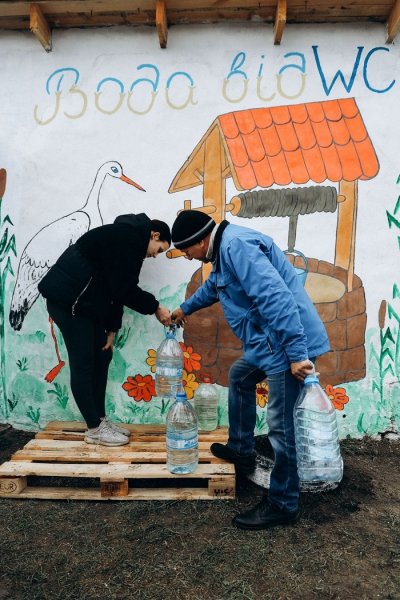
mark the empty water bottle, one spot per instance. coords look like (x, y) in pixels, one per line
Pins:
(317, 439)
(206, 404)
(182, 436)
(169, 365)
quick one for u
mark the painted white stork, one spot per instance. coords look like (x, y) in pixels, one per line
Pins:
(42, 251)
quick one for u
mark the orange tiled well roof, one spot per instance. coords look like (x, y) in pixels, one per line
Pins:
(316, 141)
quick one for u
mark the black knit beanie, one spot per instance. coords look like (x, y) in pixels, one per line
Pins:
(190, 227)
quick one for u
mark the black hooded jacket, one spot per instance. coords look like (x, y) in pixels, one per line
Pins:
(99, 274)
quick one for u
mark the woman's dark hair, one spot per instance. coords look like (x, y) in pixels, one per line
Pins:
(163, 229)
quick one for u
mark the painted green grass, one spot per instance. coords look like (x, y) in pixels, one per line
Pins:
(7, 249)
(28, 401)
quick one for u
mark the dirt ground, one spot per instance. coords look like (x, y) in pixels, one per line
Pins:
(347, 544)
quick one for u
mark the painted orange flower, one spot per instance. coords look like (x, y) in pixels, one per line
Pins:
(191, 360)
(151, 359)
(337, 396)
(262, 394)
(189, 383)
(140, 387)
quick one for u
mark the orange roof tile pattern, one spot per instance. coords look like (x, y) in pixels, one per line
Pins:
(316, 141)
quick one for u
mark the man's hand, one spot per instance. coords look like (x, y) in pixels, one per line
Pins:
(301, 369)
(110, 341)
(163, 315)
(178, 316)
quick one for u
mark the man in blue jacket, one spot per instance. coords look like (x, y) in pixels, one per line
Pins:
(268, 309)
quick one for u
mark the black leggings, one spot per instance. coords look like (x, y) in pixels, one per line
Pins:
(88, 363)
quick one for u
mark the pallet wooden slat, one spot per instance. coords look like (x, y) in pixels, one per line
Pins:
(79, 426)
(99, 457)
(65, 493)
(79, 444)
(111, 469)
(120, 471)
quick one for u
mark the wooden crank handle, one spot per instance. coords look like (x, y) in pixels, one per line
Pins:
(234, 205)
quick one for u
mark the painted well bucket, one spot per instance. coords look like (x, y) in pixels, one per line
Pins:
(301, 272)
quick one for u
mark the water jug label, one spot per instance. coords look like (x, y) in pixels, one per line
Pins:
(169, 372)
(180, 444)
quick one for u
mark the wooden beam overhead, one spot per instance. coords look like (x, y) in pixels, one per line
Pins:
(39, 26)
(161, 22)
(64, 14)
(280, 21)
(393, 24)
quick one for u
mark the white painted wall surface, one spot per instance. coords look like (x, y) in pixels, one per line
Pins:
(51, 168)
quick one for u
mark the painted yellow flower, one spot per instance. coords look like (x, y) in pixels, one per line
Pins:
(262, 394)
(189, 383)
(151, 359)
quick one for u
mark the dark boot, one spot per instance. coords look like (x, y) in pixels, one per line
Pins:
(265, 515)
(244, 462)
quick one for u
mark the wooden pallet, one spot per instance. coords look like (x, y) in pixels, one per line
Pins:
(136, 471)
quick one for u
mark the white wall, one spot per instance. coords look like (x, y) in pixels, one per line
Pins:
(50, 168)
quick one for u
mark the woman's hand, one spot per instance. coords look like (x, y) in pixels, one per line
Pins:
(110, 341)
(163, 315)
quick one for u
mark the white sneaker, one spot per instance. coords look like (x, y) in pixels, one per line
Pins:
(105, 435)
(118, 428)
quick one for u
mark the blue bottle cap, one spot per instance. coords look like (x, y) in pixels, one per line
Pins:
(181, 396)
(170, 331)
(311, 379)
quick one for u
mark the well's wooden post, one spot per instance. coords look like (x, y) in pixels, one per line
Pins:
(346, 229)
(214, 189)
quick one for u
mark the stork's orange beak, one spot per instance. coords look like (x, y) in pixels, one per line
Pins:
(136, 185)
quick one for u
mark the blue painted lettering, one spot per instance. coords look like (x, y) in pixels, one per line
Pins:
(339, 74)
(365, 71)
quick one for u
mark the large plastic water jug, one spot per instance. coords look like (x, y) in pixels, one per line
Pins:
(169, 365)
(206, 404)
(317, 439)
(182, 436)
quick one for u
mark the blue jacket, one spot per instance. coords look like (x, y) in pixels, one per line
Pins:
(263, 301)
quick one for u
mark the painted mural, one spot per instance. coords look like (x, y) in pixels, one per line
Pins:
(315, 142)
(49, 243)
(298, 142)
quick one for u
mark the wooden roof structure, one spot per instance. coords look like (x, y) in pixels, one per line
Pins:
(283, 145)
(316, 141)
(43, 16)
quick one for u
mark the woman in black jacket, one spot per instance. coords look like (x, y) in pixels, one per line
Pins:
(86, 291)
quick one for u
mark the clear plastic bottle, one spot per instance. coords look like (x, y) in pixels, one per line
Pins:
(206, 404)
(182, 436)
(317, 439)
(169, 365)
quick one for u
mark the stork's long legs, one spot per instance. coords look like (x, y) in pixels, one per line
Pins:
(52, 374)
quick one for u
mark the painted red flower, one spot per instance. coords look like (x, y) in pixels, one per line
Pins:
(337, 396)
(191, 359)
(140, 387)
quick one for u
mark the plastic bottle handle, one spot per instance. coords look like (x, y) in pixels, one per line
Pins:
(170, 330)
(312, 377)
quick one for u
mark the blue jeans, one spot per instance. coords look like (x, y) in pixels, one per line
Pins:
(283, 390)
